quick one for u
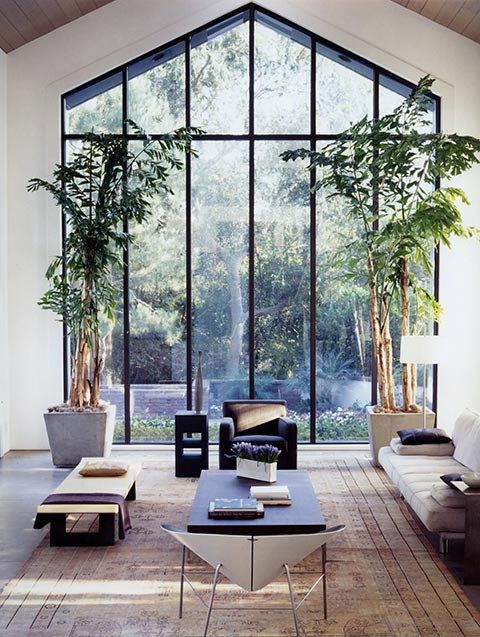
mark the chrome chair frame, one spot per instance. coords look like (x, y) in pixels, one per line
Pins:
(294, 605)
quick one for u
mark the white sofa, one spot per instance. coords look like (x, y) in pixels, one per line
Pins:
(417, 477)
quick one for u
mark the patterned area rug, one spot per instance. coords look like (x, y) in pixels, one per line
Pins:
(385, 580)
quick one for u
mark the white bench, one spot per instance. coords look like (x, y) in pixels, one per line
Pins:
(77, 484)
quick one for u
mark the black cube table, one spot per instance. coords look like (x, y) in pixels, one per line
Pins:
(302, 516)
(191, 443)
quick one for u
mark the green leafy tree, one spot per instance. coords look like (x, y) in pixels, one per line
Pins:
(102, 186)
(386, 171)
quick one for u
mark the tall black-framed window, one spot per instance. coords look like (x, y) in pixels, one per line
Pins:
(237, 263)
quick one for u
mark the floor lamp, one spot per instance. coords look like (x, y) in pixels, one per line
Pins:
(421, 350)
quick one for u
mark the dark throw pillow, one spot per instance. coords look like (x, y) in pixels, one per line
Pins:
(448, 478)
(423, 436)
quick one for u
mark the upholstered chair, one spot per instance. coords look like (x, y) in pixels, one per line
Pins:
(259, 422)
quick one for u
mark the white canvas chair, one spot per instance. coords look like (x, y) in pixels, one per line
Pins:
(253, 562)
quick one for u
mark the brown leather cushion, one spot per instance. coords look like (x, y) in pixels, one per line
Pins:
(248, 415)
(103, 468)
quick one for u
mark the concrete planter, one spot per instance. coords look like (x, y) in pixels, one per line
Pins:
(76, 435)
(383, 427)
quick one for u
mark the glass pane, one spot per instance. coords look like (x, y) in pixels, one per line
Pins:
(282, 78)
(344, 91)
(282, 281)
(96, 108)
(220, 271)
(156, 90)
(219, 78)
(157, 317)
(391, 95)
(343, 341)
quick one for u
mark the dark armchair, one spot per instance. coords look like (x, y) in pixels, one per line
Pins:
(259, 422)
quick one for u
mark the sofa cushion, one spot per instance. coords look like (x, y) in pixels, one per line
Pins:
(447, 496)
(423, 436)
(436, 517)
(102, 468)
(396, 465)
(466, 438)
(251, 414)
(434, 449)
(415, 476)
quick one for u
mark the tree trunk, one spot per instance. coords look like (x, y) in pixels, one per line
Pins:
(97, 370)
(360, 336)
(79, 388)
(388, 355)
(306, 338)
(413, 385)
(382, 343)
(107, 348)
(408, 371)
(237, 314)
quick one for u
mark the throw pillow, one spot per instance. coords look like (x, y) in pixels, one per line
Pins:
(421, 450)
(448, 478)
(423, 436)
(103, 468)
(248, 415)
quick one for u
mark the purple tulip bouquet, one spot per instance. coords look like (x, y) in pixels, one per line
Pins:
(258, 453)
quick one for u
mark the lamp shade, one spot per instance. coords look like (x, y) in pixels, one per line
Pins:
(419, 349)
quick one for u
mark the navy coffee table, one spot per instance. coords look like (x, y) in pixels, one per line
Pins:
(302, 516)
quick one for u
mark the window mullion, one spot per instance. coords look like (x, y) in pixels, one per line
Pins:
(251, 207)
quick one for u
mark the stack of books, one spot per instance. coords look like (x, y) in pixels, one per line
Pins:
(236, 508)
(277, 494)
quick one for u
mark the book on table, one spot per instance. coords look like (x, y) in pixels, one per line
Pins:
(235, 508)
(272, 495)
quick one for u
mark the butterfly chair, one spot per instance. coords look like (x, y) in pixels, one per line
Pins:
(253, 562)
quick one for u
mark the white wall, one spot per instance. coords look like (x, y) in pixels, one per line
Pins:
(4, 394)
(39, 72)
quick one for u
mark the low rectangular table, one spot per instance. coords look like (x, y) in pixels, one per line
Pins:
(302, 516)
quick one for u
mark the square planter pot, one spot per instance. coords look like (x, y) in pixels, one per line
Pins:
(76, 435)
(263, 471)
(383, 427)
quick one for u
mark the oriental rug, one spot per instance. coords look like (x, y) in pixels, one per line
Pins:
(385, 579)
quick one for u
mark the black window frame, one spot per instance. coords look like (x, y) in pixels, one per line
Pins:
(340, 55)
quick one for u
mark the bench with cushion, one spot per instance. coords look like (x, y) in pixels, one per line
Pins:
(100, 495)
(417, 477)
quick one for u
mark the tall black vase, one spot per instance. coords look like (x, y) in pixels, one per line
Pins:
(198, 389)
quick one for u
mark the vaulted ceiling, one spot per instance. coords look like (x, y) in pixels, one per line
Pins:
(24, 20)
(462, 16)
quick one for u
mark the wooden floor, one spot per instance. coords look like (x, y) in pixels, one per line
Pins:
(27, 477)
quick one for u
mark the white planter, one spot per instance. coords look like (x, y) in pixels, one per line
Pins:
(383, 427)
(76, 435)
(263, 471)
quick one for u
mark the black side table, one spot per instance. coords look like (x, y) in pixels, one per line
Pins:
(191, 443)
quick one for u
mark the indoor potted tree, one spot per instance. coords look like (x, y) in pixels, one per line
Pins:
(103, 186)
(387, 172)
